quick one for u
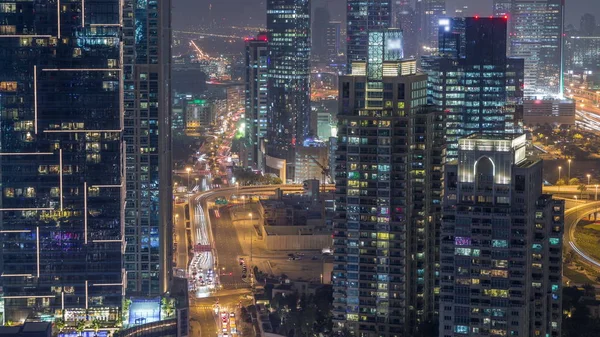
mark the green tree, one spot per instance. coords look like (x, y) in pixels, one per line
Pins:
(167, 306)
(561, 182)
(80, 326)
(581, 188)
(95, 325)
(574, 181)
(60, 324)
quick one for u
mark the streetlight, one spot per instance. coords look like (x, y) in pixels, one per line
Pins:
(559, 168)
(188, 170)
(196, 179)
(588, 176)
(569, 179)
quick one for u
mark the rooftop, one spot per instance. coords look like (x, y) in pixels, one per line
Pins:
(485, 136)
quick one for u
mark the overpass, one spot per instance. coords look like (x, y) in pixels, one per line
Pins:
(572, 217)
(196, 224)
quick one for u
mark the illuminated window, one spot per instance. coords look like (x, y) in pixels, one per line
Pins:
(500, 243)
(499, 273)
(9, 192)
(462, 251)
(554, 241)
(461, 329)
(500, 263)
(8, 86)
(496, 293)
(30, 192)
(55, 192)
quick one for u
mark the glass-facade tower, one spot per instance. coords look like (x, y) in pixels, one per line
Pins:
(363, 16)
(256, 101)
(147, 99)
(61, 160)
(288, 33)
(429, 12)
(473, 81)
(537, 29)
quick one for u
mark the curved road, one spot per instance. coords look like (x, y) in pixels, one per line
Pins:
(572, 217)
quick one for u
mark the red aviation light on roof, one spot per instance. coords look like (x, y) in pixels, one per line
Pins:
(476, 16)
(506, 17)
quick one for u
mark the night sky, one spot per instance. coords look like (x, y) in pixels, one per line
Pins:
(252, 12)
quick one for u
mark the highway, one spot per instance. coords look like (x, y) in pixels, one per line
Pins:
(221, 249)
(572, 216)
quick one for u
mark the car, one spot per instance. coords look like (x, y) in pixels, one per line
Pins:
(232, 314)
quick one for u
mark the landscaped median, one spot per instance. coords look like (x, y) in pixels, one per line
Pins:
(587, 238)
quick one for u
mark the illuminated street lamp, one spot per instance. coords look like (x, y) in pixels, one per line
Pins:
(569, 179)
(588, 176)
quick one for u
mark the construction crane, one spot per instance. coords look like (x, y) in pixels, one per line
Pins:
(325, 171)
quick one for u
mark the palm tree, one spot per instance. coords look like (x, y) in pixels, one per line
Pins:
(581, 188)
(167, 306)
(80, 327)
(60, 324)
(96, 326)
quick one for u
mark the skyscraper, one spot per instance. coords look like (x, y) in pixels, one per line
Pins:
(537, 36)
(429, 13)
(334, 41)
(147, 93)
(501, 245)
(256, 99)
(363, 16)
(473, 81)
(502, 7)
(405, 19)
(388, 191)
(62, 161)
(288, 33)
(319, 50)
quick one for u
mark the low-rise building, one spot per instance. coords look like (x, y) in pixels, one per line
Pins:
(291, 222)
(549, 111)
